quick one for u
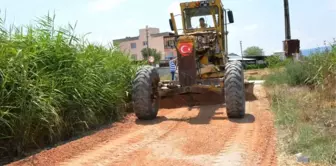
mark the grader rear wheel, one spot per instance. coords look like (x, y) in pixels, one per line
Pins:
(145, 93)
(234, 90)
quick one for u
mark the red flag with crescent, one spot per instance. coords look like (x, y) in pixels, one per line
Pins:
(185, 49)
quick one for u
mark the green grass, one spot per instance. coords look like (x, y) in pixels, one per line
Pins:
(300, 95)
(256, 77)
(315, 70)
(300, 114)
(255, 66)
(275, 61)
(55, 84)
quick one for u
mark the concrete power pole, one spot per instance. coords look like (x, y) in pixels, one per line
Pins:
(291, 46)
(147, 35)
(241, 49)
(287, 21)
(147, 43)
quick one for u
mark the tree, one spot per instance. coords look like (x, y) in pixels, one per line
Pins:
(253, 51)
(153, 52)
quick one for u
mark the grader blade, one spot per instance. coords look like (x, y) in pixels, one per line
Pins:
(207, 92)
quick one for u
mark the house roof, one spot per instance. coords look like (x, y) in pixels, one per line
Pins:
(233, 54)
(126, 39)
(162, 34)
(137, 37)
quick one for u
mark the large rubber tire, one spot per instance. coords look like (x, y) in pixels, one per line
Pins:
(234, 90)
(145, 93)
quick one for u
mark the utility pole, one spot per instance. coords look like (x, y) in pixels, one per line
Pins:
(290, 46)
(287, 21)
(147, 35)
(241, 50)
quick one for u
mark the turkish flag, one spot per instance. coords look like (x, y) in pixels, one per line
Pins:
(185, 49)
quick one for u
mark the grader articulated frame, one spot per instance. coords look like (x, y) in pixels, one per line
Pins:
(202, 60)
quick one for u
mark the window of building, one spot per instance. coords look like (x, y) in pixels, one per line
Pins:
(133, 45)
(169, 43)
(144, 43)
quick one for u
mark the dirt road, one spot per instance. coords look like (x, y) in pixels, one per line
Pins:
(185, 136)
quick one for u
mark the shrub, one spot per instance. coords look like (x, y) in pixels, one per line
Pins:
(304, 114)
(152, 52)
(316, 70)
(255, 66)
(275, 61)
(54, 85)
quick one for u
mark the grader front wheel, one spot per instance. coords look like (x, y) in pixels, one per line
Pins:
(234, 90)
(145, 93)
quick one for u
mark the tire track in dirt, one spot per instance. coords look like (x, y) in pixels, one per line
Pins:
(234, 151)
(186, 137)
(254, 144)
(112, 151)
(183, 146)
(73, 149)
(264, 147)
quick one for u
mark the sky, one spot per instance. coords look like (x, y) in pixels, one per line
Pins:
(257, 22)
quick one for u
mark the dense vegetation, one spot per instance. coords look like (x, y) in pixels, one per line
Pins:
(55, 84)
(152, 52)
(253, 51)
(303, 99)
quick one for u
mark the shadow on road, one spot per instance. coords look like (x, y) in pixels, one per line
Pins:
(205, 114)
(249, 118)
(210, 98)
(191, 100)
(157, 120)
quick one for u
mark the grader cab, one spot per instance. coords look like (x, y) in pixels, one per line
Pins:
(202, 60)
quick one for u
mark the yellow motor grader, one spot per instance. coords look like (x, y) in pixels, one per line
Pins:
(203, 64)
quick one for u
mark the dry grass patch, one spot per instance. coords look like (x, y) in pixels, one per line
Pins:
(305, 123)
